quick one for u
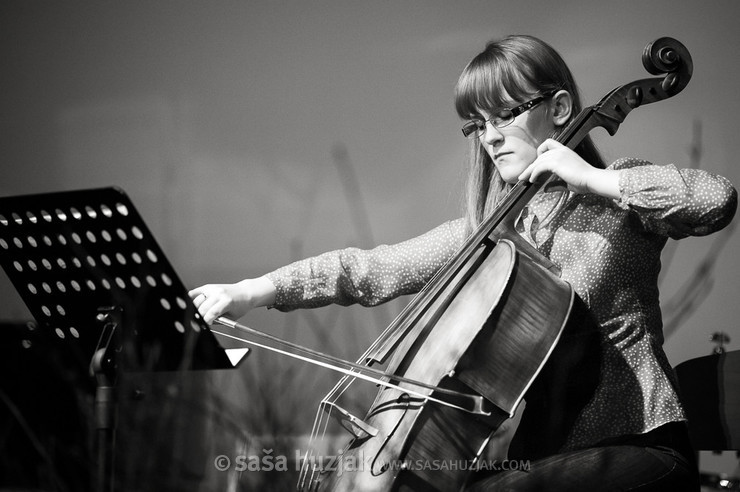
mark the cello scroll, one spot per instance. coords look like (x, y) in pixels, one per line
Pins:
(664, 56)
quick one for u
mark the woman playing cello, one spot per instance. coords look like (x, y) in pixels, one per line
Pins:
(604, 229)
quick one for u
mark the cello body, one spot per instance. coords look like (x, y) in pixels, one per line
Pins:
(521, 312)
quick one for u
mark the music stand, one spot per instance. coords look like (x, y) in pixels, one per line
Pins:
(95, 279)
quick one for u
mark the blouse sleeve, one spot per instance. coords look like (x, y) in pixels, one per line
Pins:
(675, 202)
(367, 277)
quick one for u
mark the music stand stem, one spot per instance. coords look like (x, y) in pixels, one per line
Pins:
(104, 367)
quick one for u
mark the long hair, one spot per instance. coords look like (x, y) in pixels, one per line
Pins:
(518, 67)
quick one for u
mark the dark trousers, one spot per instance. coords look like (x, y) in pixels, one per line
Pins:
(660, 460)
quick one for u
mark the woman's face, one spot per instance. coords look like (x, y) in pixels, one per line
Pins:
(514, 147)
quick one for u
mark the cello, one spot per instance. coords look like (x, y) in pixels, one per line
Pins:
(474, 343)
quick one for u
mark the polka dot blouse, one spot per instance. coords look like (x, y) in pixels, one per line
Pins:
(608, 250)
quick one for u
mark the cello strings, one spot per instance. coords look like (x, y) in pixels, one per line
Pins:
(321, 421)
(324, 414)
(453, 264)
(309, 454)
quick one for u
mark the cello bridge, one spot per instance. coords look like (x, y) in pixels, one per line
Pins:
(355, 426)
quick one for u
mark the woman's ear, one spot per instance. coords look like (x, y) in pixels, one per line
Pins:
(562, 105)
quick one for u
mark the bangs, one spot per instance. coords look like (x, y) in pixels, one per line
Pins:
(489, 82)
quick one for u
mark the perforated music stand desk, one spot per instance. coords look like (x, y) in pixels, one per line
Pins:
(70, 254)
(92, 274)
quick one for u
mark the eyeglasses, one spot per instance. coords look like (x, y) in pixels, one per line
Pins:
(502, 118)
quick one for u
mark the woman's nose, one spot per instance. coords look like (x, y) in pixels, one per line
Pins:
(492, 135)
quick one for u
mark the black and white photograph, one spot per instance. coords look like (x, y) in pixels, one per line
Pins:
(369, 246)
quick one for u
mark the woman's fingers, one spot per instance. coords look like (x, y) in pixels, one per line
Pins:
(199, 299)
(235, 300)
(554, 157)
(209, 301)
(534, 170)
(542, 164)
(211, 310)
(199, 291)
